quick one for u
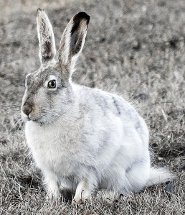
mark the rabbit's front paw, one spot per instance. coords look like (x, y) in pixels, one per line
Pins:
(81, 197)
(82, 192)
(53, 194)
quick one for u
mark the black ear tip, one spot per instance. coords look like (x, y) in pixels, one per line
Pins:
(39, 10)
(82, 15)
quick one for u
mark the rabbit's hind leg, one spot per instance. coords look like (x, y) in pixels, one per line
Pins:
(138, 175)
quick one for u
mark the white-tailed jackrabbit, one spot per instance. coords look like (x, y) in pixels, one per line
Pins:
(82, 139)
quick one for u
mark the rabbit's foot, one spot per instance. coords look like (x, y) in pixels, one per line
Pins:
(83, 192)
(53, 192)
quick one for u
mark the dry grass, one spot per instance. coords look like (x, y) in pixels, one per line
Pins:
(135, 48)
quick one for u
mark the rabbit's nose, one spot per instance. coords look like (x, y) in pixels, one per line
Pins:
(27, 109)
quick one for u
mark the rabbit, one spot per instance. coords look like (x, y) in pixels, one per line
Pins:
(82, 139)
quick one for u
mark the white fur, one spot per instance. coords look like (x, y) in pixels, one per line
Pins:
(97, 141)
(61, 154)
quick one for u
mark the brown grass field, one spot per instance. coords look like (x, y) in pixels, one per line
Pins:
(135, 48)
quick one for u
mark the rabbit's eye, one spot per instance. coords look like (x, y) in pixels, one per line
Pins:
(52, 84)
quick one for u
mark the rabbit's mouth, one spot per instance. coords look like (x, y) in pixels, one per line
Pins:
(29, 117)
(24, 117)
(36, 119)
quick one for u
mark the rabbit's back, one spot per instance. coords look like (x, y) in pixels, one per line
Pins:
(102, 104)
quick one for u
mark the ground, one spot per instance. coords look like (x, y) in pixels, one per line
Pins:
(135, 48)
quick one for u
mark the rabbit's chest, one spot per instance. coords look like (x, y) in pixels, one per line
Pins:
(54, 149)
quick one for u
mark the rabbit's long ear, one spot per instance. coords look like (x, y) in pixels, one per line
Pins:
(73, 39)
(47, 49)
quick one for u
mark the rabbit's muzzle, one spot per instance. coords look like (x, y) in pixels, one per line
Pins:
(27, 109)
